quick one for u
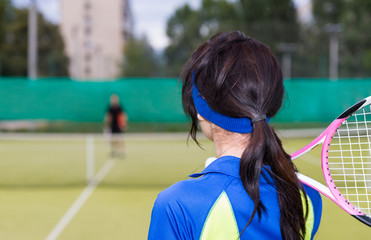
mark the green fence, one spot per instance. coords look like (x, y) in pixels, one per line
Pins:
(320, 100)
(159, 100)
(145, 100)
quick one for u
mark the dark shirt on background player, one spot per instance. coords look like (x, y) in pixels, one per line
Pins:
(116, 115)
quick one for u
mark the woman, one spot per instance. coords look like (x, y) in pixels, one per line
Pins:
(232, 86)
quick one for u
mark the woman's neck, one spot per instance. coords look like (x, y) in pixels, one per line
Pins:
(230, 144)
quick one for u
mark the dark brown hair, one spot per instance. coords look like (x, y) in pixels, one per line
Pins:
(239, 77)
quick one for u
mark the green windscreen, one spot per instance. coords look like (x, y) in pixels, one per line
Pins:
(144, 100)
(159, 100)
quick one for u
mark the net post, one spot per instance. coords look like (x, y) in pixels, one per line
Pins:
(90, 168)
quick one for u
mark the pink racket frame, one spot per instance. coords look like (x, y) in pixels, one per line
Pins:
(331, 191)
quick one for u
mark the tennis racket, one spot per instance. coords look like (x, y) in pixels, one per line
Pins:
(346, 161)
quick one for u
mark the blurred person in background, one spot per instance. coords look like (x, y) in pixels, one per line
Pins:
(115, 122)
(232, 86)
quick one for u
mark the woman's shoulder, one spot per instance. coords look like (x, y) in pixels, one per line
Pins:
(194, 191)
(175, 191)
(183, 190)
(313, 194)
(315, 200)
(316, 205)
(184, 202)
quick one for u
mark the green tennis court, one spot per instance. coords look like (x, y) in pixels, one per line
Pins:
(42, 176)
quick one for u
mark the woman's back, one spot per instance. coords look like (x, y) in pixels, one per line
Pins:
(214, 205)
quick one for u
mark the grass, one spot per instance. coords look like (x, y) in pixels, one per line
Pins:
(40, 179)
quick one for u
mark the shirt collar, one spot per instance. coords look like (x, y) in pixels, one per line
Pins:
(230, 165)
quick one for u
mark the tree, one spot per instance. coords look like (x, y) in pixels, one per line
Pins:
(354, 49)
(312, 59)
(13, 52)
(269, 21)
(140, 59)
(52, 58)
(355, 39)
(183, 29)
(5, 7)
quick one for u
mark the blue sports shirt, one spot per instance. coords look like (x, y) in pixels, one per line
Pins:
(213, 205)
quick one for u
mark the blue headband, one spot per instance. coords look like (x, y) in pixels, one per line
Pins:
(232, 124)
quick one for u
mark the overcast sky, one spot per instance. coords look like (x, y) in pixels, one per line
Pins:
(150, 16)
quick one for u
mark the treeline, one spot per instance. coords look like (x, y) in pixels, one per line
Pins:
(274, 23)
(13, 44)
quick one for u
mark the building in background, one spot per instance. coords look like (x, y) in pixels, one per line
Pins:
(94, 32)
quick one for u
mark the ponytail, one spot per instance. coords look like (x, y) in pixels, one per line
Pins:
(265, 151)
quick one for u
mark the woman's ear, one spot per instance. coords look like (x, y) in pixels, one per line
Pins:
(199, 117)
(206, 127)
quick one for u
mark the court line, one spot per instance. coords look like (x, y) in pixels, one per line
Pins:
(75, 207)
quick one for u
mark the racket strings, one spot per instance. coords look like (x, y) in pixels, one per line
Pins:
(349, 159)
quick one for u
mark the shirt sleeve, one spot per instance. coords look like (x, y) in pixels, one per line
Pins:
(315, 197)
(167, 221)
